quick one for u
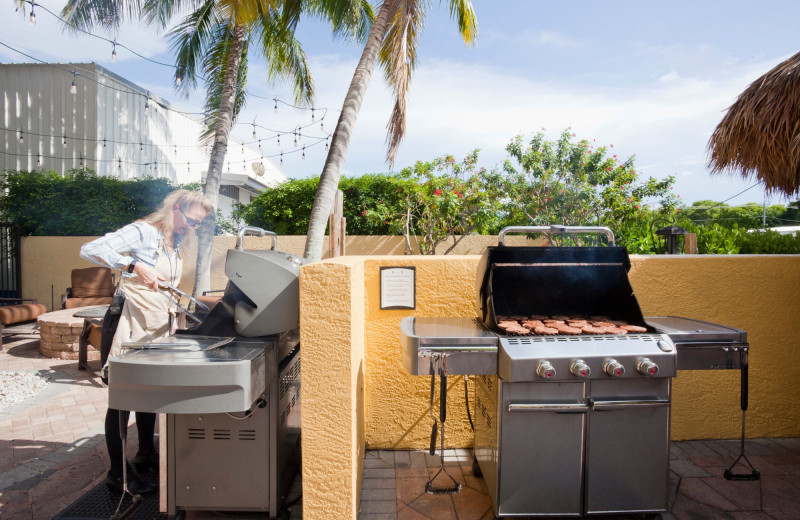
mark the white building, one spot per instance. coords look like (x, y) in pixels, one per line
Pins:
(114, 127)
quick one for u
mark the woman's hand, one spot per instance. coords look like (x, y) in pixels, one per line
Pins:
(148, 275)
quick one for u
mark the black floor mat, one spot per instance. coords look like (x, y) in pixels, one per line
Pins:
(101, 502)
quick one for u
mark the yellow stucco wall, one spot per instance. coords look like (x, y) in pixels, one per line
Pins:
(332, 382)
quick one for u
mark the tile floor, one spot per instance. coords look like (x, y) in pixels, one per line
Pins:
(393, 485)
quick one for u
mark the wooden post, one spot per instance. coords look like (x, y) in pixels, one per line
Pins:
(337, 226)
(690, 243)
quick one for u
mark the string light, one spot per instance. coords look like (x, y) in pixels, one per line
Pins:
(254, 130)
(73, 89)
(276, 105)
(114, 52)
(32, 18)
(147, 106)
(304, 153)
(312, 114)
(279, 139)
(81, 165)
(326, 144)
(281, 158)
(321, 125)
(295, 139)
(188, 168)
(141, 146)
(104, 144)
(259, 144)
(38, 159)
(119, 166)
(176, 149)
(178, 80)
(20, 135)
(65, 140)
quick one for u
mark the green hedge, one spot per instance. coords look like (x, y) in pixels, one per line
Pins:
(78, 204)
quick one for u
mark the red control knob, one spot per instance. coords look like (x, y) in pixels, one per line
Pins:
(646, 367)
(613, 368)
(545, 370)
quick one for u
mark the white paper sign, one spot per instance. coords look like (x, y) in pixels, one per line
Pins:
(398, 287)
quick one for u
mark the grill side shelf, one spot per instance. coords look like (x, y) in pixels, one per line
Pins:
(470, 349)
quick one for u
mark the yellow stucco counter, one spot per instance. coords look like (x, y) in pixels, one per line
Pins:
(356, 394)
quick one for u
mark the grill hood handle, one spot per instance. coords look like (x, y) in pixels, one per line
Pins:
(556, 230)
(256, 231)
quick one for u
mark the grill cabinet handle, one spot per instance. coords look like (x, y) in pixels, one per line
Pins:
(557, 408)
(612, 405)
(551, 230)
(257, 231)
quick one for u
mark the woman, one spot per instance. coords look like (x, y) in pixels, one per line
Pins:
(149, 250)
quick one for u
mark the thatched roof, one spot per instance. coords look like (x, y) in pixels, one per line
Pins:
(760, 134)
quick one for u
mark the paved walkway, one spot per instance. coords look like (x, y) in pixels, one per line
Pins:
(52, 452)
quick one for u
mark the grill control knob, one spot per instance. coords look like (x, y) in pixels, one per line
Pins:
(545, 370)
(579, 368)
(646, 367)
(613, 368)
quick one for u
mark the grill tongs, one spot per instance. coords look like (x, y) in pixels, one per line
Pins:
(430, 488)
(754, 474)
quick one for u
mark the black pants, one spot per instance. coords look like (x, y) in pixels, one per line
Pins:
(145, 422)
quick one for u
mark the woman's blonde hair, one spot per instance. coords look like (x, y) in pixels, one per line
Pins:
(185, 199)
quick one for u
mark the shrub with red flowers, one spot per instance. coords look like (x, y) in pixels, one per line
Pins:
(445, 200)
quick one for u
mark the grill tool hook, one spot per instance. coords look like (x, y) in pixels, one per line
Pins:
(429, 487)
(754, 474)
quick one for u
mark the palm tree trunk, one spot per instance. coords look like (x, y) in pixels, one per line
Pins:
(340, 141)
(205, 234)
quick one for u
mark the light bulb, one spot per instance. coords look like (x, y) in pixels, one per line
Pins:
(279, 139)
(321, 125)
(38, 159)
(65, 140)
(141, 146)
(32, 18)
(188, 168)
(178, 81)
(114, 53)
(81, 165)
(21, 136)
(304, 153)
(147, 106)
(104, 144)
(295, 140)
(312, 114)
(276, 105)
(73, 89)
(326, 145)
(281, 159)
(119, 166)
(259, 144)
(231, 99)
(176, 149)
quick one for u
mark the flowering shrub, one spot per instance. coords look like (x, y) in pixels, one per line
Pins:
(575, 183)
(444, 200)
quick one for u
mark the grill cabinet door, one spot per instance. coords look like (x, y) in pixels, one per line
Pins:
(541, 448)
(627, 460)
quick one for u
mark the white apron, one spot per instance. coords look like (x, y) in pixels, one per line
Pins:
(146, 313)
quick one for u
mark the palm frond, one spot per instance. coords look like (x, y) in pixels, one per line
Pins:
(349, 19)
(464, 14)
(189, 40)
(284, 55)
(398, 57)
(107, 14)
(161, 12)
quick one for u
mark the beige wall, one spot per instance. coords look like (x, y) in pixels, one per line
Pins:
(343, 331)
(48, 261)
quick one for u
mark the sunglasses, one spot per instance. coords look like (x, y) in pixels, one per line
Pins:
(192, 223)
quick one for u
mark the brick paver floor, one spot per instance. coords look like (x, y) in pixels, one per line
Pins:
(52, 452)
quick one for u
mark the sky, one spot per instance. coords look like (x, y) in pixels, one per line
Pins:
(650, 78)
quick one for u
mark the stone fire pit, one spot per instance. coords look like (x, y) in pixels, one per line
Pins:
(59, 332)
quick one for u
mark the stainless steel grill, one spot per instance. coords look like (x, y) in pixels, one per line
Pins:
(568, 425)
(230, 389)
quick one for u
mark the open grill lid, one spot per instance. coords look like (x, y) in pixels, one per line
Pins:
(588, 281)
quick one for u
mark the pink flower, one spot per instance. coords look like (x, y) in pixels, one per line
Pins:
(461, 195)
(573, 134)
(612, 146)
(629, 199)
(637, 206)
(437, 192)
(364, 213)
(608, 168)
